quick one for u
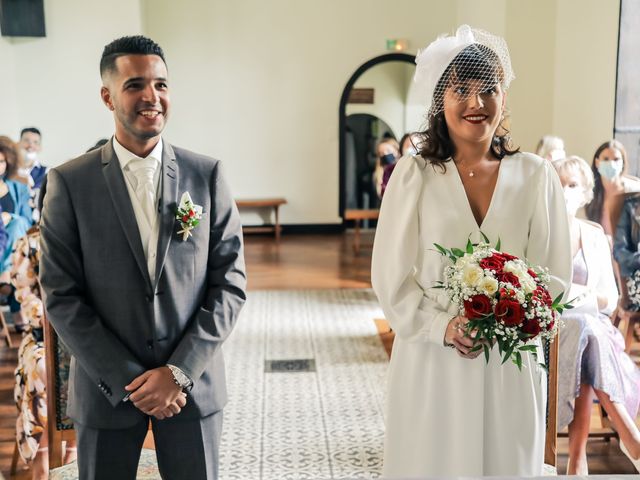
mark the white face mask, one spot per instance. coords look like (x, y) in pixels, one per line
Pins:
(410, 151)
(610, 169)
(31, 156)
(573, 199)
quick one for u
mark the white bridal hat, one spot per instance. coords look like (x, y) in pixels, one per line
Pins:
(475, 55)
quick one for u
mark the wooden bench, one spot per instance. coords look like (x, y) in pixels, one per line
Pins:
(263, 203)
(357, 215)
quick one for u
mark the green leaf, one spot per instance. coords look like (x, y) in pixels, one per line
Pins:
(441, 249)
(544, 367)
(457, 252)
(507, 355)
(519, 360)
(528, 348)
(486, 352)
(486, 239)
(498, 244)
(469, 246)
(556, 300)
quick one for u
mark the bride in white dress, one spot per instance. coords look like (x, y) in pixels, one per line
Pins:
(449, 413)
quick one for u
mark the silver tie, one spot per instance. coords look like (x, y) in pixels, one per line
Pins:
(144, 170)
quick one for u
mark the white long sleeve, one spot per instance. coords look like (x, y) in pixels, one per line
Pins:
(412, 312)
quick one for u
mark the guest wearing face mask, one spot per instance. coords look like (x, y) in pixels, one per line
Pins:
(387, 153)
(592, 360)
(611, 185)
(408, 146)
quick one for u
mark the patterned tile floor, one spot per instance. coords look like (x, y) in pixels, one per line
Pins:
(305, 425)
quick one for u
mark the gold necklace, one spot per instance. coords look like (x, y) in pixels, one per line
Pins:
(470, 173)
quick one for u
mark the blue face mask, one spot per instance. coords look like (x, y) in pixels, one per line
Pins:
(388, 159)
(610, 169)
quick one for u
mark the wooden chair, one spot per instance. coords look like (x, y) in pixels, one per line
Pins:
(625, 319)
(357, 215)
(60, 428)
(4, 330)
(551, 436)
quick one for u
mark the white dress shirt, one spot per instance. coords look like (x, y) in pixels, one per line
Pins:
(149, 231)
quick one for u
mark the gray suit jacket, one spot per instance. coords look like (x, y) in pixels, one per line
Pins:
(118, 322)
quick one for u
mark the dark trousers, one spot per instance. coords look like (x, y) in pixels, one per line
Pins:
(185, 449)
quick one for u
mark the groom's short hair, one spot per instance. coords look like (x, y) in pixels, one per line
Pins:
(131, 45)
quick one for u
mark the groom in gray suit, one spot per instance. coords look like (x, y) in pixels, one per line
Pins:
(144, 300)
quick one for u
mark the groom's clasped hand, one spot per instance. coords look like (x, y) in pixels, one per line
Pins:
(155, 393)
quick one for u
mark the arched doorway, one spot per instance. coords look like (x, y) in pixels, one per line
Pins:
(345, 174)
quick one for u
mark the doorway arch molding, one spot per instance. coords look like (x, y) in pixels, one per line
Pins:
(342, 117)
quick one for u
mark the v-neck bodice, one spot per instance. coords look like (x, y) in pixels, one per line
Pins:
(454, 175)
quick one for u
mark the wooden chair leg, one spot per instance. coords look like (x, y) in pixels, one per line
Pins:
(551, 437)
(356, 237)
(4, 330)
(14, 460)
(628, 337)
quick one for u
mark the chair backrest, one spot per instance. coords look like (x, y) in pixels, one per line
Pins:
(551, 437)
(57, 360)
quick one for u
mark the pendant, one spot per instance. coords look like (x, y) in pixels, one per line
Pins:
(471, 174)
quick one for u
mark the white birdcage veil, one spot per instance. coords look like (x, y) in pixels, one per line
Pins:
(472, 59)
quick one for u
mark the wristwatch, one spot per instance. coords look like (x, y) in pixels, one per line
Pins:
(179, 377)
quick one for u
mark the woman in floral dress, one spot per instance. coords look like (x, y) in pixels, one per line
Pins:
(30, 389)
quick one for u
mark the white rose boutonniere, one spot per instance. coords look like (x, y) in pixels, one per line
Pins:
(189, 215)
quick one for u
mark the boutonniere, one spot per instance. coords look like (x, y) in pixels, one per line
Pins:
(188, 214)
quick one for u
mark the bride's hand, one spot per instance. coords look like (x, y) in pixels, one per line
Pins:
(456, 335)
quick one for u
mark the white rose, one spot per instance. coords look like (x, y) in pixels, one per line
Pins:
(489, 286)
(472, 275)
(528, 283)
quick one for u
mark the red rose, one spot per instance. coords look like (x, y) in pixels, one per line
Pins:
(543, 295)
(508, 257)
(509, 312)
(185, 218)
(494, 263)
(532, 273)
(477, 306)
(532, 327)
(508, 277)
(192, 213)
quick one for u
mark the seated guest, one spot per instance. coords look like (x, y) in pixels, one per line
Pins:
(31, 144)
(408, 146)
(612, 184)
(30, 388)
(32, 168)
(16, 216)
(592, 358)
(387, 153)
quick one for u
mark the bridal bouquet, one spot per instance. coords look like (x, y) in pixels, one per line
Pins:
(506, 299)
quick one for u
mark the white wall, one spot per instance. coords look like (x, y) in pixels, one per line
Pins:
(8, 97)
(585, 74)
(56, 78)
(258, 84)
(274, 73)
